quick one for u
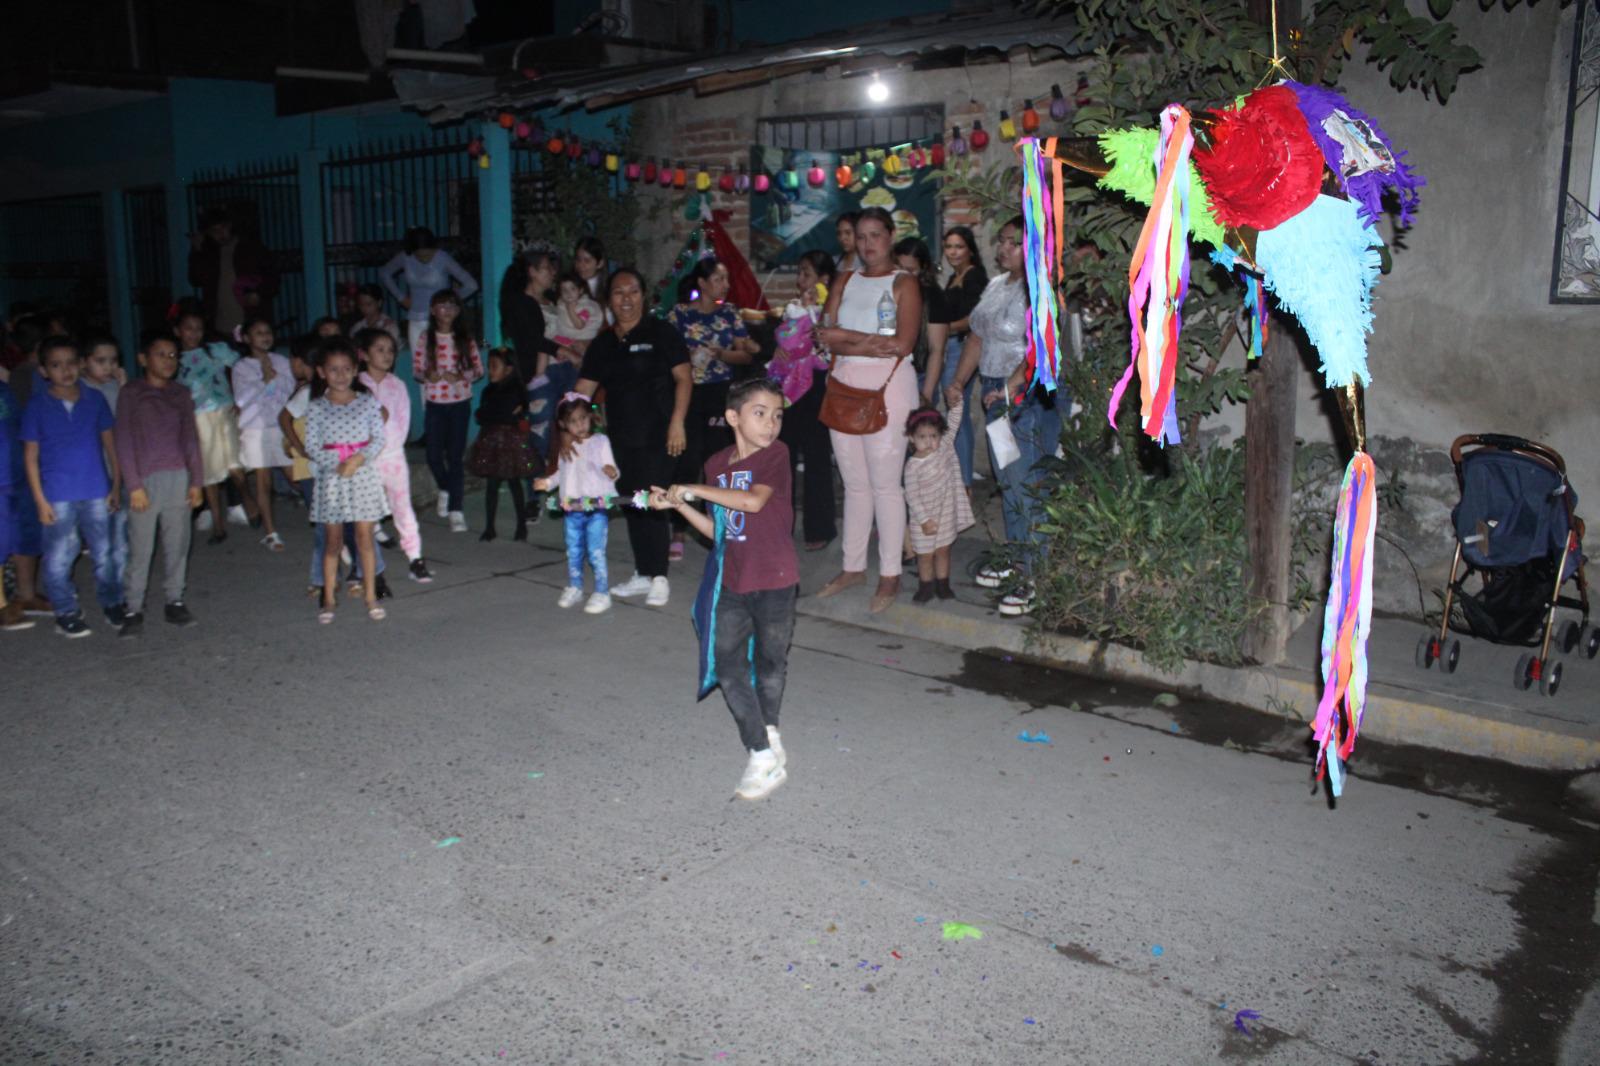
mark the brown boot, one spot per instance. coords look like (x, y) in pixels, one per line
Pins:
(845, 579)
(888, 591)
(926, 590)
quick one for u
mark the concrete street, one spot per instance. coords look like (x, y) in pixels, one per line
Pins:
(489, 831)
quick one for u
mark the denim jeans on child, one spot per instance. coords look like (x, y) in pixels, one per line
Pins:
(319, 540)
(79, 523)
(1037, 429)
(754, 691)
(446, 425)
(947, 377)
(586, 542)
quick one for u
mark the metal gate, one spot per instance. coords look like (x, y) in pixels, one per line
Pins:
(373, 193)
(53, 253)
(263, 200)
(150, 270)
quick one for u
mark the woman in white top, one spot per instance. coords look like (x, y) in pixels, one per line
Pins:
(871, 465)
(426, 269)
(996, 348)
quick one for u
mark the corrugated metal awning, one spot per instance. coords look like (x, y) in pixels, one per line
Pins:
(448, 97)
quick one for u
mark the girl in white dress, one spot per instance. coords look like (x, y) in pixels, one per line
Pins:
(343, 438)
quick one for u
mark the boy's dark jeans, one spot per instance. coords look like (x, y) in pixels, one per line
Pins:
(768, 616)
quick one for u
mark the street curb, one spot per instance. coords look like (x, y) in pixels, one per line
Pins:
(1389, 717)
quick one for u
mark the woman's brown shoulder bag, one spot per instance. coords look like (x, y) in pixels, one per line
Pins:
(858, 412)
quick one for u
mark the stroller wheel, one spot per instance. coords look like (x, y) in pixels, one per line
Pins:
(1592, 646)
(1524, 676)
(1452, 655)
(1567, 639)
(1425, 652)
(1551, 680)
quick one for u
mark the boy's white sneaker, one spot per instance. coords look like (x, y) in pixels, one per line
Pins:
(569, 597)
(236, 515)
(444, 504)
(660, 592)
(637, 585)
(776, 743)
(458, 522)
(762, 774)
(202, 524)
(599, 603)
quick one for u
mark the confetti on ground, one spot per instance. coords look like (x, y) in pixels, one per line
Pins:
(447, 841)
(897, 955)
(1157, 950)
(1174, 727)
(534, 775)
(1240, 1017)
(961, 931)
(1040, 737)
(919, 919)
(1029, 1021)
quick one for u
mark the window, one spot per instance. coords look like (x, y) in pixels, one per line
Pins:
(844, 130)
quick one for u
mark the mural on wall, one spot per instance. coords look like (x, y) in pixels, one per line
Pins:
(1576, 275)
(795, 212)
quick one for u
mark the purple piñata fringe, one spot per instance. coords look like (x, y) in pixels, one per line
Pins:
(1367, 189)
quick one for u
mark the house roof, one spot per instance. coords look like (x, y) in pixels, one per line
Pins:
(447, 97)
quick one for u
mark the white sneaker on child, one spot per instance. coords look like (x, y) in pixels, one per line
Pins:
(444, 504)
(202, 524)
(458, 522)
(236, 515)
(381, 535)
(762, 774)
(776, 743)
(660, 592)
(599, 603)
(569, 597)
(637, 585)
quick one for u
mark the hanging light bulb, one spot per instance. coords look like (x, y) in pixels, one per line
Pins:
(761, 182)
(649, 172)
(680, 177)
(842, 175)
(612, 162)
(594, 156)
(475, 147)
(788, 177)
(892, 164)
(726, 181)
(1008, 128)
(877, 91)
(980, 136)
(483, 161)
(869, 170)
(631, 171)
(507, 120)
(936, 154)
(741, 184)
(555, 145)
(1080, 94)
(523, 130)
(1058, 104)
(702, 181)
(1030, 117)
(664, 179)
(574, 147)
(958, 143)
(814, 175)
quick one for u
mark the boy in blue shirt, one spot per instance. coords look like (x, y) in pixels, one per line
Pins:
(71, 463)
(11, 614)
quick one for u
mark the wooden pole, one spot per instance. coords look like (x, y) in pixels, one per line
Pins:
(1269, 459)
(1269, 489)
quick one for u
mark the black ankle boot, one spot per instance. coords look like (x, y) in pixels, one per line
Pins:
(941, 589)
(925, 591)
(487, 534)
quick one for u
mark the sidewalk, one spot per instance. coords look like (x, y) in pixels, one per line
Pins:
(1475, 711)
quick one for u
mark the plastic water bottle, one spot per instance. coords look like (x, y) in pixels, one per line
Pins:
(886, 314)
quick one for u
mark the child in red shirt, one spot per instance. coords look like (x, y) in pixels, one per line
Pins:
(751, 578)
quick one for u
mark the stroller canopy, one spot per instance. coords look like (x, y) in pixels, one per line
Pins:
(1514, 509)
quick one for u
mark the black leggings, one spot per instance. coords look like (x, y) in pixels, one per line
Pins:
(491, 504)
(649, 535)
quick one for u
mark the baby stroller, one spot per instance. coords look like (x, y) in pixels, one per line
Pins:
(1516, 529)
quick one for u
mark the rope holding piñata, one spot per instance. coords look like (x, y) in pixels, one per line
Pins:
(1043, 228)
(1158, 281)
(1346, 621)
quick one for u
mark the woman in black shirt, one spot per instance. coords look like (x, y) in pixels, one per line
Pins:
(967, 281)
(642, 364)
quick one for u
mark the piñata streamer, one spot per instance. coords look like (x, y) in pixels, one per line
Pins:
(1043, 228)
(1346, 622)
(1255, 300)
(1158, 281)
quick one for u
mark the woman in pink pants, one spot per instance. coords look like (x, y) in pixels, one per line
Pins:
(871, 346)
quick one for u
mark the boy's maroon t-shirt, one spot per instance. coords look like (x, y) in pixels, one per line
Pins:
(759, 553)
